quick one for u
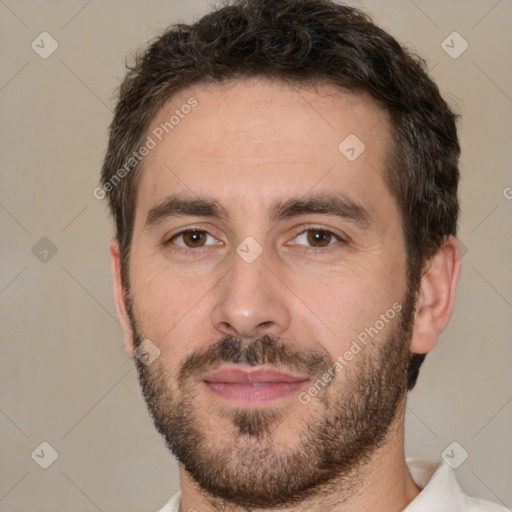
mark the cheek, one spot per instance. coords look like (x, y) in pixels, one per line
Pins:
(172, 310)
(159, 301)
(341, 306)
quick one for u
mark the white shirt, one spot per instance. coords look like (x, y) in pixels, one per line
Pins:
(440, 492)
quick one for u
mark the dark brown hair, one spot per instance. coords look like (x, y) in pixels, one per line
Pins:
(300, 42)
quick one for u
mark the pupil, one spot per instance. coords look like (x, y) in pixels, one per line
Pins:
(319, 238)
(194, 238)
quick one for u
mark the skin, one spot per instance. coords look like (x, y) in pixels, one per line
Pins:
(247, 145)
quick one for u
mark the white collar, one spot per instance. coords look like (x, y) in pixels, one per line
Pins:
(440, 491)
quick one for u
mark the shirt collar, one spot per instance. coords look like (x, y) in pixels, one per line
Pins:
(440, 490)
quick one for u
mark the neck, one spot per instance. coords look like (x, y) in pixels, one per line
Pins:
(383, 484)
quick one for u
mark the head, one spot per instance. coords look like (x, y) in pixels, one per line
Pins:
(282, 174)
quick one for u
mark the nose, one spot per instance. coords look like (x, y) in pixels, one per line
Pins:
(251, 301)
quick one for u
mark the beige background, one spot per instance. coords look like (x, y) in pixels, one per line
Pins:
(64, 377)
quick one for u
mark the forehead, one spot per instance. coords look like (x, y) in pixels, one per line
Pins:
(254, 140)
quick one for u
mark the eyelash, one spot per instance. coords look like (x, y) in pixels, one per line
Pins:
(183, 249)
(303, 229)
(331, 247)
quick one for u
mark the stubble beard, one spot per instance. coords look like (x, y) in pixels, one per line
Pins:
(241, 464)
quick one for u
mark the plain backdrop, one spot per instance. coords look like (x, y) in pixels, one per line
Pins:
(64, 378)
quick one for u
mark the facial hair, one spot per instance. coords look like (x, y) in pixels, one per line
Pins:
(349, 418)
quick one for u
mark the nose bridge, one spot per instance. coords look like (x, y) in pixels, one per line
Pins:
(251, 300)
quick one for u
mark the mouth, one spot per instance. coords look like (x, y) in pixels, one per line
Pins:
(253, 386)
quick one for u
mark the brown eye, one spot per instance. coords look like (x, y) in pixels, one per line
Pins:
(191, 238)
(319, 237)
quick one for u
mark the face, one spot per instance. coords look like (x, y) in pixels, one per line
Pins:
(269, 268)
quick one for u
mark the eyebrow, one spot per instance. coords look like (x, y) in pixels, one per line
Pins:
(329, 204)
(178, 206)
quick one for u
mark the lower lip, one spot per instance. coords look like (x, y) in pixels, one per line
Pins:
(259, 393)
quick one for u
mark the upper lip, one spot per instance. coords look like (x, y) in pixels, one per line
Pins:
(246, 376)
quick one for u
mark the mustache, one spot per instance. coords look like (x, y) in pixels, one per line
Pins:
(265, 350)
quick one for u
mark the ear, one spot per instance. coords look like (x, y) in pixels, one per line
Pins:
(436, 296)
(120, 299)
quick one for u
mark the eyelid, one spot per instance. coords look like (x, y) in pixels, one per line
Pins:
(185, 229)
(299, 230)
(340, 236)
(206, 244)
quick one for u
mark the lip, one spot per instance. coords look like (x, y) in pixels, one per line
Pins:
(253, 385)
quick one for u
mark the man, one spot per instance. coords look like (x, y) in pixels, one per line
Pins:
(283, 177)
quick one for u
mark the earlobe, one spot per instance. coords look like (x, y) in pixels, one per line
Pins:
(436, 296)
(120, 299)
